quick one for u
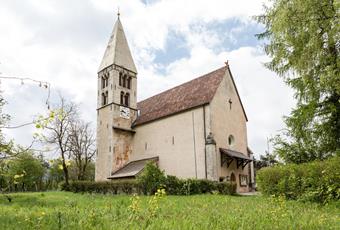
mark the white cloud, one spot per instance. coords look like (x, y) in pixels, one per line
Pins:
(62, 42)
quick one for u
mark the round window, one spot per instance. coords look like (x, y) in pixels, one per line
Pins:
(231, 140)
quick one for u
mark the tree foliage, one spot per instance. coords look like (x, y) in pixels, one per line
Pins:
(303, 42)
(266, 160)
(5, 146)
(26, 171)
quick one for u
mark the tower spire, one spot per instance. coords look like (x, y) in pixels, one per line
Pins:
(117, 51)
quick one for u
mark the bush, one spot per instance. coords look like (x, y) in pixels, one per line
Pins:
(226, 188)
(173, 185)
(315, 181)
(151, 179)
(109, 187)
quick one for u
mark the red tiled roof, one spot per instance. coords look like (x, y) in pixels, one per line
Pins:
(189, 95)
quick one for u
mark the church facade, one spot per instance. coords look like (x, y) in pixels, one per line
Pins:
(195, 130)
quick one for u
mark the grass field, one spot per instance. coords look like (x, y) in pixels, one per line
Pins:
(63, 210)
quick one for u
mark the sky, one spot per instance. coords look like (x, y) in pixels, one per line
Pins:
(172, 41)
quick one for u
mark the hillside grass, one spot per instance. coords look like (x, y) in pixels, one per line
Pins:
(65, 210)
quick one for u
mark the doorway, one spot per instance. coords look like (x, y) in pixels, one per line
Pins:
(232, 178)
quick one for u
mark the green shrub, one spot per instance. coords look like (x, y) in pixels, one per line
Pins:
(226, 188)
(197, 186)
(151, 178)
(315, 181)
(173, 185)
(109, 187)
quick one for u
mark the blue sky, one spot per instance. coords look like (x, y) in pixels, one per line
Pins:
(172, 41)
(233, 34)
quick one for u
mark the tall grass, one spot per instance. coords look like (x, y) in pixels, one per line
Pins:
(64, 210)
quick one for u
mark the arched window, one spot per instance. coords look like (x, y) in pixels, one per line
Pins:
(231, 140)
(127, 99)
(106, 80)
(129, 83)
(122, 98)
(120, 78)
(124, 80)
(103, 82)
(105, 98)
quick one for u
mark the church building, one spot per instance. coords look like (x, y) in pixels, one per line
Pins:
(194, 130)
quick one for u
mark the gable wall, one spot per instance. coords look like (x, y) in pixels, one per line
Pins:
(226, 121)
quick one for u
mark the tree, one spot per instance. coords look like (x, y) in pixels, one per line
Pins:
(88, 175)
(55, 173)
(266, 161)
(82, 146)
(25, 172)
(5, 147)
(58, 129)
(303, 41)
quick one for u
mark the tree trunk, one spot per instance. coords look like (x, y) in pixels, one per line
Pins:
(65, 170)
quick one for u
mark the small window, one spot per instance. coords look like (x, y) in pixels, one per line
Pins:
(103, 82)
(120, 78)
(173, 140)
(146, 145)
(231, 140)
(127, 99)
(122, 98)
(129, 83)
(105, 98)
(124, 80)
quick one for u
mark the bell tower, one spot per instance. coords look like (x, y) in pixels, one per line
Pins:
(116, 104)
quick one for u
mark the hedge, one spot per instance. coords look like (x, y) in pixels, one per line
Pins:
(151, 179)
(116, 187)
(178, 187)
(315, 181)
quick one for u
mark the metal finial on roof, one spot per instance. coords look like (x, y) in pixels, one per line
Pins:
(226, 63)
(118, 13)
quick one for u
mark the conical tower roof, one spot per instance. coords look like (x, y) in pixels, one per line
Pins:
(117, 50)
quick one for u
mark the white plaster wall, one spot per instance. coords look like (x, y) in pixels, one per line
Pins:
(179, 158)
(225, 122)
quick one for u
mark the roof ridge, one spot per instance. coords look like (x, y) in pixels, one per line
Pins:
(187, 82)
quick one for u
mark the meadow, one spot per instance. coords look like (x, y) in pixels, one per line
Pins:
(65, 210)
